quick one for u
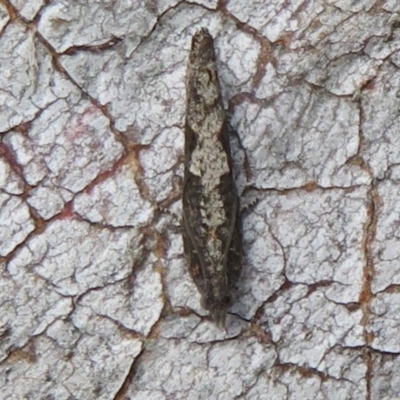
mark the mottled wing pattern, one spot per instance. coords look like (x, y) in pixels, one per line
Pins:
(212, 241)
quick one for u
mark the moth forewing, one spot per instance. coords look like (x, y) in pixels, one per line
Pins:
(212, 242)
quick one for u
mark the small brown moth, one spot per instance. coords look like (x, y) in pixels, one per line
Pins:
(212, 239)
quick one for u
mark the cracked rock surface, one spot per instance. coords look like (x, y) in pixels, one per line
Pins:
(96, 301)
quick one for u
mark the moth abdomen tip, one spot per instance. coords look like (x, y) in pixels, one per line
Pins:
(219, 317)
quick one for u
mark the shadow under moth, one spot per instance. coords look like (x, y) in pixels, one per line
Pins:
(212, 238)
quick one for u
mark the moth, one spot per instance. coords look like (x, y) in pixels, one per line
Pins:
(212, 232)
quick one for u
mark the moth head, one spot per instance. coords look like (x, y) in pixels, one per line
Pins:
(202, 40)
(202, 51)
